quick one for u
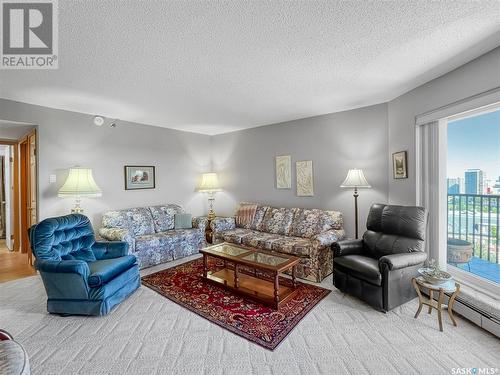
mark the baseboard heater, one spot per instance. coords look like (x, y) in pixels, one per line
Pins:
(477, 316)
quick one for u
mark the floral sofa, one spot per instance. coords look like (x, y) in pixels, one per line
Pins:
(150, 233)
(306, 233)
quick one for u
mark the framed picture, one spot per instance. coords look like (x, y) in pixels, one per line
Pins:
(284, 172)
(139, 177)
(305, 185)
(399, 165)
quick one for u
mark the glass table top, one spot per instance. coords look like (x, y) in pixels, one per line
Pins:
(229, 250)
(270, 260)
(251, 256)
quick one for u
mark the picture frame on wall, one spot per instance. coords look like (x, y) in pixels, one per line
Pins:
(400, 165)
(139, 177)
(305, 179)
(284, 172)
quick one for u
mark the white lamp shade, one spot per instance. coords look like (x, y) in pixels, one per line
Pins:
(80, 183)
(355, 178)
(209, 182)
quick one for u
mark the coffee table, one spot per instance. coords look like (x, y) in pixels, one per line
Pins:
(260, 277)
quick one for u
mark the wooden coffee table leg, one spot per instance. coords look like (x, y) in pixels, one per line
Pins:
(276, 289)
(294, 281)
(236, 280)
(205, 266)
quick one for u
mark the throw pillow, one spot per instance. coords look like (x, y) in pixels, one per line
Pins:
(183, 221)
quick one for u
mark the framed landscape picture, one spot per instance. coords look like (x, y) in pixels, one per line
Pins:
(399, 165)
(139, 177)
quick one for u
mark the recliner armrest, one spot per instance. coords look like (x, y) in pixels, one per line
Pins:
(110, 249)
(347, 247)
(79, 267)
(398, 261)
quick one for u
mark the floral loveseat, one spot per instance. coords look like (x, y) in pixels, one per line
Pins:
(306, 233)
(150, 233)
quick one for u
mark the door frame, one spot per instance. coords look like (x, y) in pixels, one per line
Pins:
(23, 191)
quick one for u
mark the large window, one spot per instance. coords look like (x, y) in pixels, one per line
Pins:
(473, 195)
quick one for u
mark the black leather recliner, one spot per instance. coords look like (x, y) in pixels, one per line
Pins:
(379, 267)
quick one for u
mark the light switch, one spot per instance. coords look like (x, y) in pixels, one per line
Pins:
(52, 178)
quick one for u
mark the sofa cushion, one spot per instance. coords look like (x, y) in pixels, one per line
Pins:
(277, 220)
(235, 235)
(362, 267)
(176, 242)
(164, 216)
(260, 240)
(302, 247)
(310, 222)
(103, 271)
(137, 220)
(260, 212)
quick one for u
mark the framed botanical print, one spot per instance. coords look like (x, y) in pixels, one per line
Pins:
(139, 177)
(399, 165)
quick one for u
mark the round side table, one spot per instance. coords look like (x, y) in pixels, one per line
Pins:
(448, 287)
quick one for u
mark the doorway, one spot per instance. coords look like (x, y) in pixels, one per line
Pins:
(18, 201)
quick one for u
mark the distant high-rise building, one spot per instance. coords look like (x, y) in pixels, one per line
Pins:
(474, 181)
(454, 185)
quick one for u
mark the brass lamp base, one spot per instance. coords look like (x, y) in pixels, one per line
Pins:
(77, 209)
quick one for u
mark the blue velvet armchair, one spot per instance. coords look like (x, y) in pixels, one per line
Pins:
(81, 276)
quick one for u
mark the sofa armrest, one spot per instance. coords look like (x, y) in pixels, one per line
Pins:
(118, 234)
(110, 249)
(347, 247)
(200, 222)
(399, 261)
(220, 224)
(79, 267)
(327, 238)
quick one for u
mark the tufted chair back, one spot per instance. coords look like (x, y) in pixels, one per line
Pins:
(61, 237)
(395, 229)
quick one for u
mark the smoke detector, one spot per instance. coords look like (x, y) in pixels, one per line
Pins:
(98, 120)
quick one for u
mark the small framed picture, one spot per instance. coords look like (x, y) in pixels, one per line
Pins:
(399, 165)
(139, 177)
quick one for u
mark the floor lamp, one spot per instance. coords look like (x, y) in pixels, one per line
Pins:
(355, 179)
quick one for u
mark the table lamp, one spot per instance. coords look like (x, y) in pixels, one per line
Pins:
(79, 183)
(356, 179)
(209, 184)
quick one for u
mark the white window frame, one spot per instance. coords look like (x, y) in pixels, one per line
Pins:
(472, 106)
(468, 278)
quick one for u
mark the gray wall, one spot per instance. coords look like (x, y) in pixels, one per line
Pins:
(334, 142)
(67, 139)
(478, 76)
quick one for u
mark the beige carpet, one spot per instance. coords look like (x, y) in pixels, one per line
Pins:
(148, 334)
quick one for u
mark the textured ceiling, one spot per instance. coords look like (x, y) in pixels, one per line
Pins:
(219, 66)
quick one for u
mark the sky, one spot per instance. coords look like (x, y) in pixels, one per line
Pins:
(474, 142)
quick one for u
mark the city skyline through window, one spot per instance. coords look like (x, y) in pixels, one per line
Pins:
(473, 195)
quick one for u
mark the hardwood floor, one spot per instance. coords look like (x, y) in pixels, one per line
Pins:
(13, 265)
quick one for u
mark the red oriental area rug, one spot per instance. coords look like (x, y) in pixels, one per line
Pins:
(263, 325)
